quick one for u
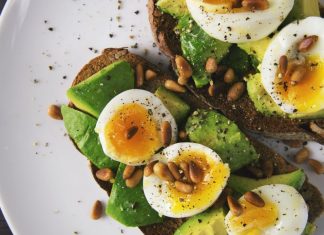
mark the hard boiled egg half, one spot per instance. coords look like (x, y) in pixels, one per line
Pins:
(285, 212)
(129, 127)
(221, 20)
(168, 201)
(305, 97)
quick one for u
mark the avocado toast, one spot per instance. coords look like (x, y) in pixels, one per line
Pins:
(253, 110)
(137, 206)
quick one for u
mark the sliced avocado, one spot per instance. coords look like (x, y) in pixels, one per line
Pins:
(223, 136)
(197, 46)
(257, 48)
(93, 94)
(242, 184)
(176, 8)
(210, 222)
(129, 205)
(310, 229)
(80, 127)
(262, 101)
(301, 10)
(177, 107)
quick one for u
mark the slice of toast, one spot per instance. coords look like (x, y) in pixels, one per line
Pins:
(242, 111)
(311, 194)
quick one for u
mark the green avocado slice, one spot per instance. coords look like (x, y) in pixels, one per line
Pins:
(80, 127)
(93, 94)
(242, 184)
(129, 205)
(223, 136)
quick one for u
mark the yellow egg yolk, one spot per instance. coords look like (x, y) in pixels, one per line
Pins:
(254, 220)
(215, 179)
(307, 95)
(143, 144)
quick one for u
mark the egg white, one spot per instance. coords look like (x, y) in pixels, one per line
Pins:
(242, 26)
(143, 98)
(292, 211)
(157, 192)
(285, 44)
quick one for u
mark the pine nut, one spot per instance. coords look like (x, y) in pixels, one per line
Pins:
(211, 65)
(174, 170)
(317, 166)
(183, 67)
(254, 199)
(139, 75)
(133, 181)
(267, 167)
(316, 129)
(148, 170)
(131, 132)
(183, 135)
(229, 76)
(150, 75)
(236, 91)
(183, 187)
(166, 133)
(105, 174)
(173, 86)
(162, 171)
(195, 172)
(211, 90)
(298, 75)
(185, 167)
(307, 43)
(302, 155)
(97, 210)
(235, 207)
(283, 64)
(183, 81)
(54, 112)
(255, 4)
(128, 172)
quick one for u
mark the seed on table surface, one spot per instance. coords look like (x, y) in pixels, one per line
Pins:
(254, 199)
(105, 174)
(134, 179)
(128, 171)
(97, 210)
(302, 155)
(317, 166)
(183, 187)
(235, 207)
(54, 111)
(173, 86)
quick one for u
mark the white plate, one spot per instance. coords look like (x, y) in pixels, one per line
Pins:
(45, 184)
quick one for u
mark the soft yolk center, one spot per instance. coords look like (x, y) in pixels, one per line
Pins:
(308, 94)
(254, 219)
(143, 144)
(215, 178)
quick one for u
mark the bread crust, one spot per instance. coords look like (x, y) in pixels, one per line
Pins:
(242, 111)
(169, 226)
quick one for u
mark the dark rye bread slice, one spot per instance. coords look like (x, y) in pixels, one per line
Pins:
(311, 194)
(241, 111)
